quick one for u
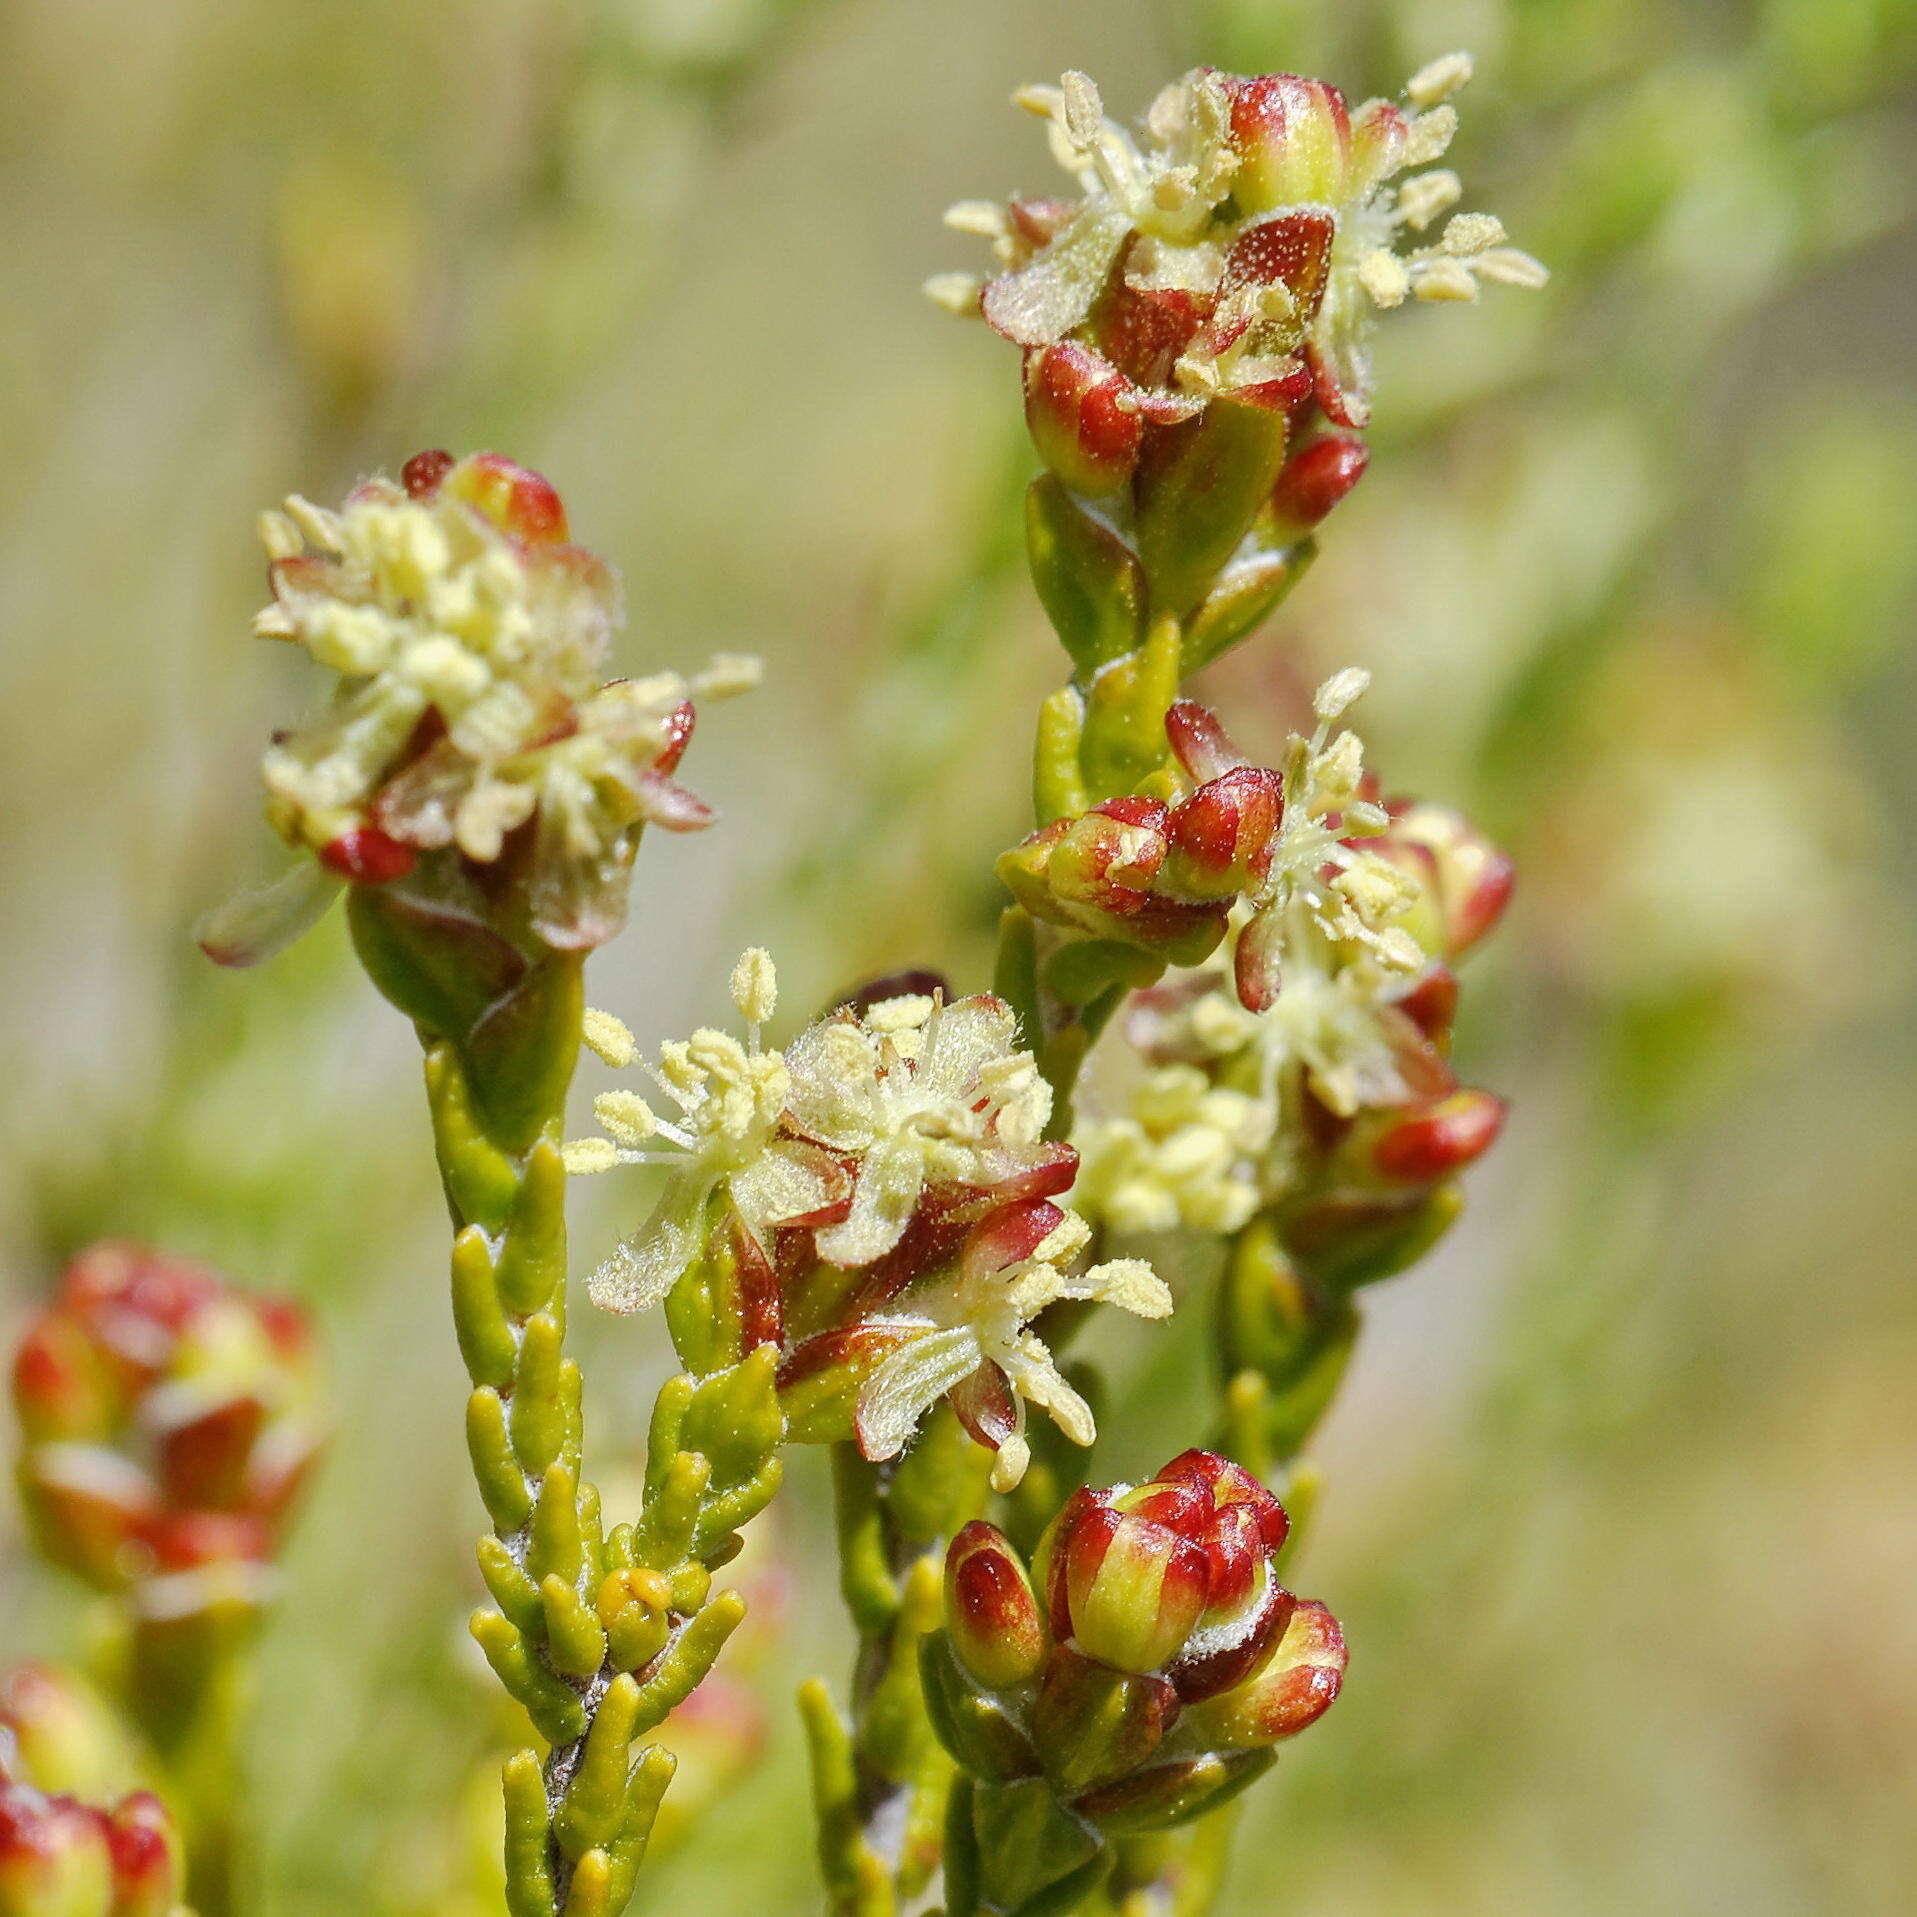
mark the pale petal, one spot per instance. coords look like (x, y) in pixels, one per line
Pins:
(908, 1384)
(647, 1265)
(787, 1182)
(883, 1201)
(834, 1087)
(960, 1041)
(266, 919)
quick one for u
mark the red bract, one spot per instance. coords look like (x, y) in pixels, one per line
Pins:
(1084, 417)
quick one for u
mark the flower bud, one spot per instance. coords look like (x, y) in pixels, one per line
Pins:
(1294, 1689)
(54, 1858)
(65, 1734)
(169, 1421)
(1093, 1724)
(1134, 1588)
(1222, 836)
(1315, 478)
(1293, 141)
(1083, 416)
(1474, 878)
(990, 1610)
(146, 1853)
(1435, 1141)
(516, 499)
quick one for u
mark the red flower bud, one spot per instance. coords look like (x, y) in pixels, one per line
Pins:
(53, 1856)
(1083, 416)
(1293, 138)
(990, 1609)
(1315, 478)
(1199, 741)
(1474, 878)
(1135, 1589)
(169, 1420)
(423, 474)
(1435, 1141)
(1294, 1689)
(1222, 836)
(516, 499)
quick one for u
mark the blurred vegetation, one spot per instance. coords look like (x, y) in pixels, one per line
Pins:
(1620, 1518)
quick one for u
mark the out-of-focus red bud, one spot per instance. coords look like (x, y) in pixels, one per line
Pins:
(1475, 878)
(169, 1420)
(990, 1609)
(146, 1855)
(368, 856)
(1293, 138)
(1084, 417)
(1439, 1140)
(1315, 478)
(423, 474)
(54, 1859)
(516, 499)
(66, 1736)
(1431, 1001)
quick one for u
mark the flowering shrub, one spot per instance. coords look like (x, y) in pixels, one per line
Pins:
(884, 1234)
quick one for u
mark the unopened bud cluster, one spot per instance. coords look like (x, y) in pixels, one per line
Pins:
(1149, 1659)
(168, 1422)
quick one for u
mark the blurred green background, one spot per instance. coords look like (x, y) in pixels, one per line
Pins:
(1622, 1516)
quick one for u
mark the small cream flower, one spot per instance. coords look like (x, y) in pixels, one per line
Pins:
(974, 1320)
(921, 1093)
(726, 1145)
(1182, 1153)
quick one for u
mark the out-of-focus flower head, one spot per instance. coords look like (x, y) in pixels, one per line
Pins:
(62, 1858)
(64, 1735)
(1150, 1658)
(168, 1423)
(470, 722)
(882, 1186)
(1181, 1154)
(1238, 247)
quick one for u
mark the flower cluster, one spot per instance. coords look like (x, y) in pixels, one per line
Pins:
(169, 1422)
(883, 1186)
(1238, 249)
(62, 1858)
(1328, 1013)
(1148, 1662)
(470, 720)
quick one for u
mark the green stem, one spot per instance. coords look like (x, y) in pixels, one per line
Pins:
(880, 1778)
(598, 1634)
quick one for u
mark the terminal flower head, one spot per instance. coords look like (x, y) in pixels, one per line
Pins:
(1238, 246)
(471, 719)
